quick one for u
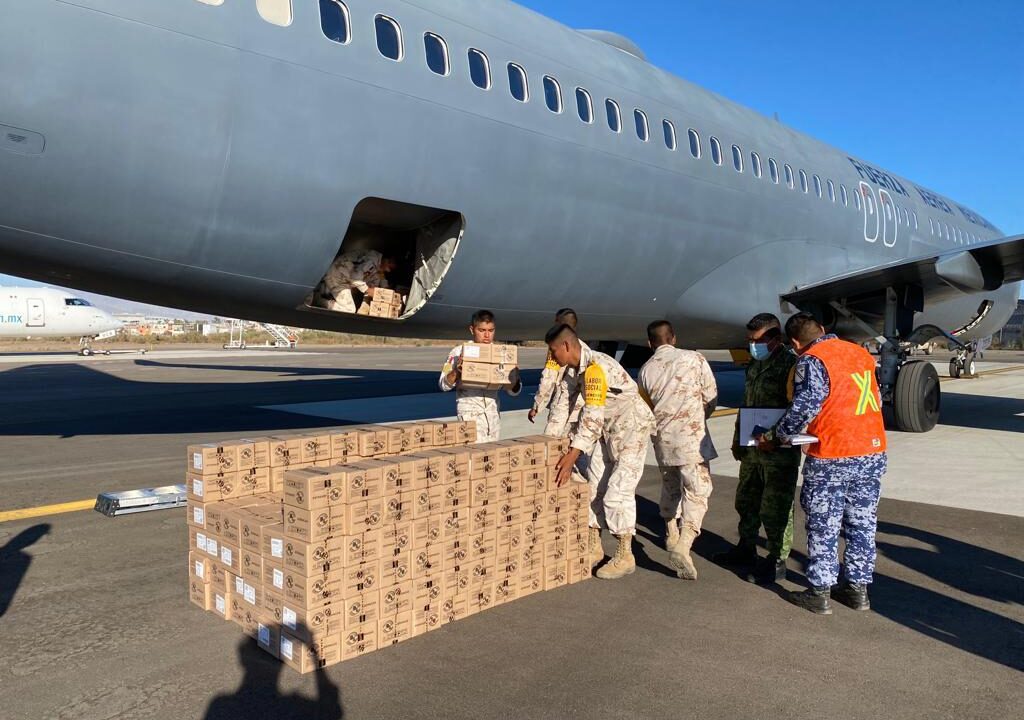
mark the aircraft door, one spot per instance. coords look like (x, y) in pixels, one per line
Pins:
(890, 223)
(871, 215)
(36, 315)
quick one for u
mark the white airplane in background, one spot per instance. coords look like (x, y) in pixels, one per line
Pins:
(39, 312)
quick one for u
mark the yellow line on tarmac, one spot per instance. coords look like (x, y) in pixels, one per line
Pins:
(44, 510)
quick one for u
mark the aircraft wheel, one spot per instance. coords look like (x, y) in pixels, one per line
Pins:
(954, 368)
(972, 366)
(918, 399)
(86, 352)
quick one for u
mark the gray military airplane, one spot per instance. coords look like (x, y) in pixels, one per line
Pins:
(218, 156)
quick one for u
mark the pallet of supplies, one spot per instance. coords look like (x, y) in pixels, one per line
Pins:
(405, 528)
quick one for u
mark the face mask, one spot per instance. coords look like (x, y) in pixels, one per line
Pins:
(760, 351)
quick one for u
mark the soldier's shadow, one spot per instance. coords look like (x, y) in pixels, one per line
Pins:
(259, 696)
(651, 527)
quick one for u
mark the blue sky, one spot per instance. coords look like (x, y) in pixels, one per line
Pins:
(933, 91)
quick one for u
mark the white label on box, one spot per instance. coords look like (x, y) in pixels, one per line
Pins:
(288, 617)
(197, 461)
(471, 352)
(249, 594)
(197, 487)
(211, 547)
(286, 648)
(198, 516)
(263, 635)
(240, 586)
(278, 579)
(200, 569)
(201, 542)
(220, 604)
(226, 555)
(277, 547)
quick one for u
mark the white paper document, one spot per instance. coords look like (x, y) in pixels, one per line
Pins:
(765, 418)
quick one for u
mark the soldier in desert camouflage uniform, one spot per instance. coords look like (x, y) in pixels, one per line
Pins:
(681, 389)
(614, 416)
(551, 391)
(477, 404)
(362, 270)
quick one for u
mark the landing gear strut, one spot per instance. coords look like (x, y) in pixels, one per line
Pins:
(965, 362)
(909, 388)
(85, 347)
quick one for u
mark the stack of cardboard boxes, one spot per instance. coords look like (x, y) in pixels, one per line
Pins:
(384, 304)
(488, 366)
(375, 547)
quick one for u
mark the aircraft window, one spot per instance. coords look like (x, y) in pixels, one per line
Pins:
(334, 21)
(584, 106)
(643, 130)
(694, 142)
(803, 181)
(277, 12)
(773, 170)
(845, 197)
(856, 198)
(755, 164)
(389, 38)
(931, 225)
(479, 69)
(670, 134)
(737, 158)
(959, 235)
(914, 213)
(437, 53)
(614, 118)
(948, 237)
(831, 191)
(77, 302)
(789, 176)
(817, 185)
(716, 150)
(518, 85)
(552, 94)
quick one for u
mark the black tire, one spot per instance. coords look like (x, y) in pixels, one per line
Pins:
(954, 368)
(918, 399)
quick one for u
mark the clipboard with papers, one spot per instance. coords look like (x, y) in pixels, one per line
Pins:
(755, 421)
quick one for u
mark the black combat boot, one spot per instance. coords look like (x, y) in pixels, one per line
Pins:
(852, 595)
(743, 555)
(767, 571)
(813, 599)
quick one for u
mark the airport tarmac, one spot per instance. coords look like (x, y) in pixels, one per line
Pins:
(95, 623)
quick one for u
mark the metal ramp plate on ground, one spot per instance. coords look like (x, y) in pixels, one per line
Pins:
(129, 502)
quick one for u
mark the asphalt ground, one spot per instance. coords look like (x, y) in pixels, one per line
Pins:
(95, 622)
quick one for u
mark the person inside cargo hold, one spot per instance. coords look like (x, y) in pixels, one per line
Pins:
(354, 271)
(475, 403)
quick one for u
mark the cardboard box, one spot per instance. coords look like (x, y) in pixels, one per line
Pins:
(399, 507)
(396, 568)
(557, 447)
(196, 514)
(221, 580)
(221, 605)
(359, 579)
(483, 519)
(507, 563)
(315, 488)
(579, 570)
(531, 558)
(426, 618)
(483, 544)
(509, 537)
(483, 491)
(313, 592)
(536, 481)
(530, 582)
(258, 523)
(455, 580)
(482, 572)
(516, 452)
(212, 458)
(306, 625)
(506, 590)
(427, 531)
(427, 502)
(397, 599)
(314, 525)
(491, 353)
(455, 607)
(272, 542)
(487, 460)
(482, 597)
(358, 642)
(428, 591)
(314, 446)
(199, 540)
(534, 452)
(209, 488)
(232, 518)
(466, 432)
(427, 560)
(362, 610)
(277, 475)
(456, 464)
(365, 481)
(509, 511)
(344, 445)
(443, 434)
(509, 485)
(398, 473)
(268, 636)
(429, 468)
(285, 450)
(416, 436)
(273, 577)
(393, 629)
(252, 566)
(457, 550)
(305, 658)
(486, 375)
(454, 523)
(200, 594)
(392, 435)
(456, 497)
(253, 453)
(364, 515)
(231, 557)
(371, 440)
(555, 575)
(244, 616)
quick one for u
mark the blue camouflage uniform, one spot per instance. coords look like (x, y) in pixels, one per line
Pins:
(839, 495)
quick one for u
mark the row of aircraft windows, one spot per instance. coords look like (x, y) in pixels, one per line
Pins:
(336, 25)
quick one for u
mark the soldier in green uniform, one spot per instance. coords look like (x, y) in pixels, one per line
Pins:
(768, 477)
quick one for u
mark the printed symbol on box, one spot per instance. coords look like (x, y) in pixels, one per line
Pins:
(291, 517)
(389, 626)
(358, 482)
(299, 496)
(323, 520)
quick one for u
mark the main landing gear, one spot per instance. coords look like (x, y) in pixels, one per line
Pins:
(965, 362)
(85, 347)
(910, 388)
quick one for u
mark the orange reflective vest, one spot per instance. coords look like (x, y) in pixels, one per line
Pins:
(850, 423)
